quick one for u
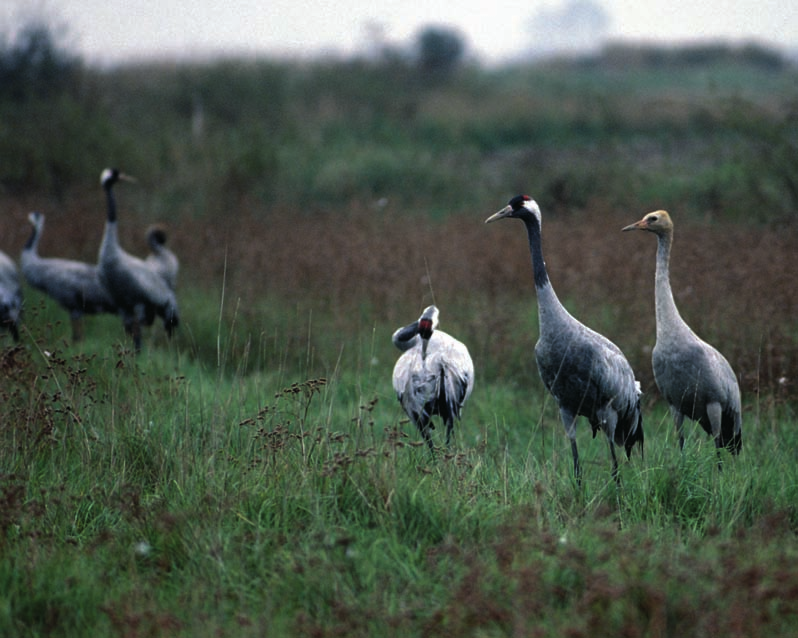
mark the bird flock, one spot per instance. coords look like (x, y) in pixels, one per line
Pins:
(586, 373)
(136, 289)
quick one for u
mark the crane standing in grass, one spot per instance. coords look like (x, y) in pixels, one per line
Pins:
(75, 285)
(585, 372)
(138, 290)
(10, 296)
(434, 376)
(694, 378)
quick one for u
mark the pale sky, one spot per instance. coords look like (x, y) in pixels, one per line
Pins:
(104, 31)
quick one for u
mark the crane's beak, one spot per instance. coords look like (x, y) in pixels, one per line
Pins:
(499, 214)
(424, 344)
(127, 178)
(641, 225)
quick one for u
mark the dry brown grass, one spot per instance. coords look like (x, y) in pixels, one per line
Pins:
(734, 284)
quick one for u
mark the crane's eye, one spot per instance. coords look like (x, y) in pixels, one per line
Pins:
(651, 219)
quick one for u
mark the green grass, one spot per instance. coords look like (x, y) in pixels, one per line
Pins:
(174, 494)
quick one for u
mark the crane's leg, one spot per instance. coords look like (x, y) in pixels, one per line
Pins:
(577, 467)
(77, 327)
(569, 421)
(136, 332)
(678, 421)
(609, 421)
(614, 463)
(449, 430)
(133, 328)
(170, 321)
(424, 428)
(715, 414)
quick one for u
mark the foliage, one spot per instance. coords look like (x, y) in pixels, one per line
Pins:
(752, 54)
(440, 52)
(267, 133)
(34, 66)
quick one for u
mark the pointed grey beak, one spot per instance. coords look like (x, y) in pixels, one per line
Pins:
(636, 226)
(499, 214)
(424, 344)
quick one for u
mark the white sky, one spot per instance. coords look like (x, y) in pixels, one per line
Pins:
(104, 31)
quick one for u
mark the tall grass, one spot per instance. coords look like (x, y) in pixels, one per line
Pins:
(163, 495)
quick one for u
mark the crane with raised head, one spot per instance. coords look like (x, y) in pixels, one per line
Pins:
(585, 372)
(139, 292)
(693, 377)
(434, 376)
(75, 285)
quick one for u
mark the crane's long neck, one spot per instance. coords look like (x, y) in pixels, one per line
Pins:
(111, 200)
(110, 238)
(668, 318)
(32, 245)
(549, 305)
(405, 338)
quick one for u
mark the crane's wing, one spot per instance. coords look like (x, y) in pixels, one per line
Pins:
(585, 372)
(416, 384)
(458, 370)
(687, 373)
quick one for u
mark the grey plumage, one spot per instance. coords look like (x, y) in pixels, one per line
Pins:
(10, 296)
(693, 377)
(586, 373)
(139, 292)
(75, 285)
(434, 376)
(161, 259)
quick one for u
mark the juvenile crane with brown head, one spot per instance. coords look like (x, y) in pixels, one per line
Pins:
(693, 377)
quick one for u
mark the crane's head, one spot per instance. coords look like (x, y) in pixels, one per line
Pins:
(657, 222)
(156, 235)
(521, 206)
(427, 323)
(111, 176)
(36, 219)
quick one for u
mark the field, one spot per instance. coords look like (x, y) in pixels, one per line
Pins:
(256, 476)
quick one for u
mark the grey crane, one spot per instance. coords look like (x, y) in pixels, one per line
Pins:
(161, 259)
(434, 376)
(10, 295)
(139, 292)
(585, 372)
(693, 377)
(75, 285)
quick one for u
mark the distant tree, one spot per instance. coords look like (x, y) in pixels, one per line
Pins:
(439, 52)
(34, 65)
